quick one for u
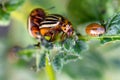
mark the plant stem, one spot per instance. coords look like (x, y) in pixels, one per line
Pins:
(37, 60)
(86, 38)
(49, 69)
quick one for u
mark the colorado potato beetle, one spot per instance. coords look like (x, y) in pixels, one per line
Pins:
(48, 26)
(35, 18)
(95, 29)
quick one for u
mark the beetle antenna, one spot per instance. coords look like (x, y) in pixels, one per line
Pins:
(51, 8)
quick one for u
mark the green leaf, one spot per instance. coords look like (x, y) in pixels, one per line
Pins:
(90, 68)
(42, 60)
(68, 44)
(47, 44)
(80, 46)
(70, 57)
(113, 25)
(28, 53)
(112, 29)
(58, 61)
(12, 5)
(6, 7)
(104, 40)
(4, 17)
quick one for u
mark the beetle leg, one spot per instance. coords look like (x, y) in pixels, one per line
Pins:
(63, 36)
(37, 45)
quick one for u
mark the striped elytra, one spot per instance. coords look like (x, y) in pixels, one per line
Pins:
(95, 29)
(35, 18)
(48, 26)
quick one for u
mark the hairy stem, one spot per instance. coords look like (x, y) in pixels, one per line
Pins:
(86, 38)
(49, 69)
(37, 60)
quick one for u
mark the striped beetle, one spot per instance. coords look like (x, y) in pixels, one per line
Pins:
(48, 26)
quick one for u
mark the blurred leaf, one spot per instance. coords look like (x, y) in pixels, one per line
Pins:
(112, 29)
(12, 5)
(4, 17)
(90, 68)
(105, 40)
(70, 57)
(115, 62)
(6, 8)
(28, 53)
(80, 46)
(22, 63)
(82, 11)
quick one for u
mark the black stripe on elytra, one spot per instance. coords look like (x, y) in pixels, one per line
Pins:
(59, 16)
(53, 16)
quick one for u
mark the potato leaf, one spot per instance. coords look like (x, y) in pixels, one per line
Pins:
(12, 5)
(112, 29)
(80, 46)
(4, 17)
(42, 60)
(70, 57)
(58, 61)
(68, 44)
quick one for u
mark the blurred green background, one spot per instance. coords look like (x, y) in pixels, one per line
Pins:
(99, 62)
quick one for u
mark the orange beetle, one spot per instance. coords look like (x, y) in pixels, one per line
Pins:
(34, 20)
(95, 29)
(48, 26)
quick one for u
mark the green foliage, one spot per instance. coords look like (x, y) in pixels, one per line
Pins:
(70, 57)
(68, 44)
(82, 11)
(12, 5)
(80, 46)
(4, 17)
(47, 44)
(28, 53)
(6, 7)
(112, 26)
(42, 60)
(58, 61)
(62, 58)
(92, 66)
(71, 48)
(89, 68)
(67, 51)
(74, 46)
